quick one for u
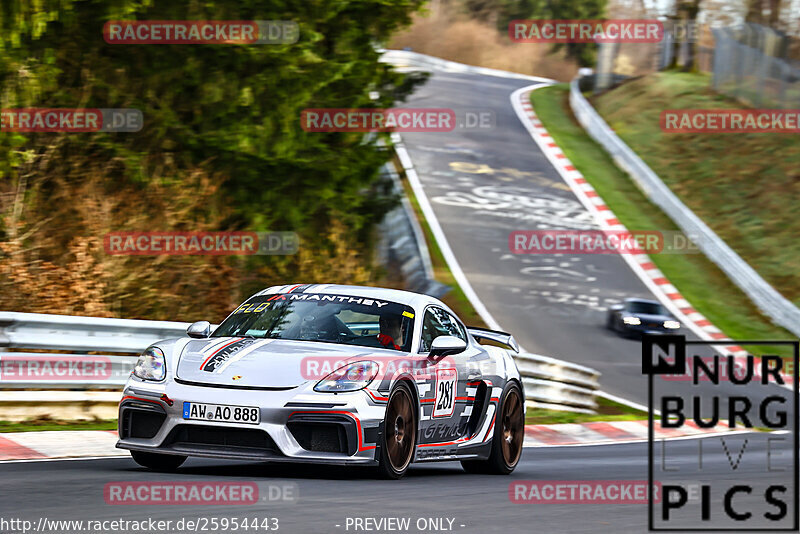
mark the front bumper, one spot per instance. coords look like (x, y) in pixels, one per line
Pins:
(297, 425)
(647, 328)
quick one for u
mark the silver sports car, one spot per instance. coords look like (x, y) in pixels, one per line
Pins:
(329, 374)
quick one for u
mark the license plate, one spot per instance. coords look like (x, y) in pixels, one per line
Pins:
(221, 413)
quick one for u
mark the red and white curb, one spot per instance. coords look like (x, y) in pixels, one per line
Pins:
(641, 264)
(64, 444)
(59, 444)
(601, 433)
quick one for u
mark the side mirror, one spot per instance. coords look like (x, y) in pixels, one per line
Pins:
(200, 329)
(445, 345)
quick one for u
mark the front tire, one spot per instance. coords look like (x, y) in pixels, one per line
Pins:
(165, 463)
(399, 439)
(509, 433)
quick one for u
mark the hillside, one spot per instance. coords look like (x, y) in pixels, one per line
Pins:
(744, 186)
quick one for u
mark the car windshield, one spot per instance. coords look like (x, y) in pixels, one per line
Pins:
(649, 308)
(327, 318)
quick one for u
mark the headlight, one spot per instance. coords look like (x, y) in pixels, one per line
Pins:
(151, 365)
(672, 325)
(633, 321)
(351, 377)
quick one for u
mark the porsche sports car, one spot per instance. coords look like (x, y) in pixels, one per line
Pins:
(329, 374)
(641, 316)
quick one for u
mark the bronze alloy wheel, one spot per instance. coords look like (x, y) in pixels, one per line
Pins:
(401, 430)
(513, 431)
(507, 437)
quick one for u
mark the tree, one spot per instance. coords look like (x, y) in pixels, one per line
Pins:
(685, 14)
(583, 53)
(228, 112)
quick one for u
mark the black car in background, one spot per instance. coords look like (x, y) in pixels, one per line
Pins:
(637, 316)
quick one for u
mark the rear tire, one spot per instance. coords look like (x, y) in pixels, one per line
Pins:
(399, 440)
(165, 463)
(509, 433)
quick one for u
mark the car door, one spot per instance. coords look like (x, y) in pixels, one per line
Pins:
(446, 406)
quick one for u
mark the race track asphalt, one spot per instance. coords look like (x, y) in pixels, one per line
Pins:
(327, 497)
(484, 183)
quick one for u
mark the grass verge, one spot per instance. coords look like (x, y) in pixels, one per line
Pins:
(39, 425)
(607, 410)
(701, 282)
(745, 186)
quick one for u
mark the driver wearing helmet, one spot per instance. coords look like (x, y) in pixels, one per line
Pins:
(391, 336)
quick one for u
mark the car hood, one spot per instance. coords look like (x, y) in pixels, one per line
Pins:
(262, 363)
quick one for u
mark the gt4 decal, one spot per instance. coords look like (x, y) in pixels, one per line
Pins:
(444, 431)
(220, 357)
(445, 400)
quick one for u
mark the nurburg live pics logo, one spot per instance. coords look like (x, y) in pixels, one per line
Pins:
(749, 479)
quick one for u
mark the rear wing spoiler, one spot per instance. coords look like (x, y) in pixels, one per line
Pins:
(494, 335)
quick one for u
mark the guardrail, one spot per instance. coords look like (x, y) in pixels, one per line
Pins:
(774, 305)
(556, 384)
(123, 339)
(68, 332)
(415, 60)
(402, 243)
(548, 382)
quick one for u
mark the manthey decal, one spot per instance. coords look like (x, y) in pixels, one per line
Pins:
(330, 298)
(259, 305)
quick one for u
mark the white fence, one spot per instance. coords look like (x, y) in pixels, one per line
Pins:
(548, 382)
(782, 311)
(405, 59)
